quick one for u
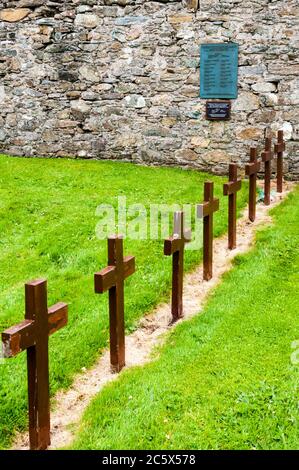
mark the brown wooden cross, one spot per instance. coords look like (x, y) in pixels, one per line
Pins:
(251, 170)
(230, 189)
(267, 156)
(279, 149)
(175, 246)
(32, 334)
(206, 211)
(112, 279)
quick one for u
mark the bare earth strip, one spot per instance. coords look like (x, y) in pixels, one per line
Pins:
(69, 405)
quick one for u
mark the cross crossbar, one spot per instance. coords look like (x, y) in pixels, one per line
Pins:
(107, 278)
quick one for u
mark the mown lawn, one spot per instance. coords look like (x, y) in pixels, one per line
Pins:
(225, 379)
(47, 225)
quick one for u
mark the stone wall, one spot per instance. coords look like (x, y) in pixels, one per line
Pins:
(119, 79)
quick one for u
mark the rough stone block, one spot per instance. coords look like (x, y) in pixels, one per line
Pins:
(13, 15)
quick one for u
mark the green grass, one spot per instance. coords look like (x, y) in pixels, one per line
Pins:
(225, 379)
(47, 226)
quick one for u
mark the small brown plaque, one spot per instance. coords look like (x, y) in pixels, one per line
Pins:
(218, 110)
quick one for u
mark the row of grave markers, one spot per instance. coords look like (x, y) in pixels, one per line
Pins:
(40, 322)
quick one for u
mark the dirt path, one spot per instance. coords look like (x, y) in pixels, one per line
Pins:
(69, 405)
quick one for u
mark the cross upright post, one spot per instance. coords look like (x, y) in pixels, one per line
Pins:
(251, 170)
(230, 189)
(112, 279)
(175, 246)
(32, 335)
(267, 156)
(206, 211)
(279, 149)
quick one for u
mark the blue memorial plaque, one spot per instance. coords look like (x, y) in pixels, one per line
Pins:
(219, 70)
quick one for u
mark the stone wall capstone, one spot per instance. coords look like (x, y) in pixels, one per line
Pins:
(119, 79)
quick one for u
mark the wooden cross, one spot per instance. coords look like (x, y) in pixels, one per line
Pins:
(174, 246)
(279, 149)
(230, 189)
(32, 334)
(251, 170)
(267, 157)
(112, 279)
(206, 211)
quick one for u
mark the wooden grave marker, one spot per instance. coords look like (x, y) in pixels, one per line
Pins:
(175, 246)
(267, 156)
(112, 279)
(32, 335)
(251, 169)
(279, 148)
(206, 211)
(230, 189)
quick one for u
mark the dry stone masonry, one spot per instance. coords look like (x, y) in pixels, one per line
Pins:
(119, 79)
